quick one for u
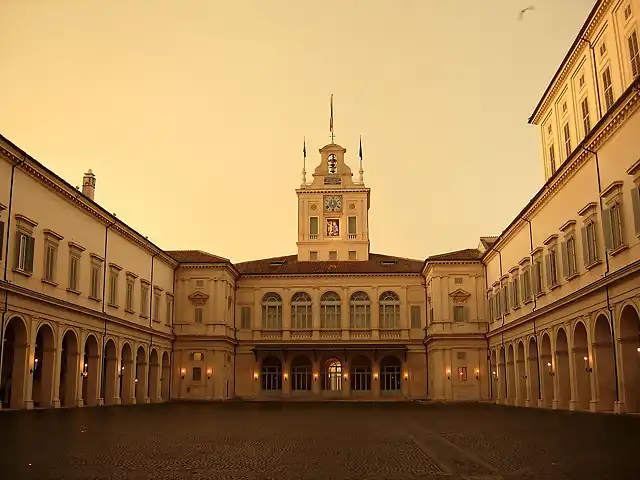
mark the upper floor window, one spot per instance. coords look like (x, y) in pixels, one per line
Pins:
(586, 122)
(144, 299)
(549, 129)
(589, 243)
(608, 87)
(96, 274)
(360, 310)
(301, 311)
(603, 49)
(330, 310)
(1, 238)
(627, 12)
(245, 318)
(564, 107)
(197, 315)
(415, 316)
(634, 53)
(156, 305)
(459, 313)
(552, 267)
(313, 255)
(581, 80)
(612, 226)
(24, 252)
(129, 293)
(635, 201)
(537, 276)
(74, 270)
(272, 311)
(313, 227)
(389, 310)
(113, 286)
(526, 284)
(514, 295)
(169, 310)
(567, 139)
(352, 227)
(552, 159)
(51, 242)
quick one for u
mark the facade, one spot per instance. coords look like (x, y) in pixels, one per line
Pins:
(543, 315)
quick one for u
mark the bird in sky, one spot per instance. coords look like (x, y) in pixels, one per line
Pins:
(524, 10)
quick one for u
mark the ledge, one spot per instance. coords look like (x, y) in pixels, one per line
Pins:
(75, 246)
(568, 225)
(634, 169)
(75, 292)
(95, 256)
(504, 277)
(112, 305)
(145, 282)
(22, 272)
(28, 221)
(53, 234)
(554, 286)
(616, 251)
(131, 274)
(95, 299)
(536, 251)
(593, 264)
(572, 276)
(587, 208)
(129, 311)
(158, 289)
(524, 261)
(613, 186)
(551, 238)
(115, 266)
(49, 282)
(515, 269)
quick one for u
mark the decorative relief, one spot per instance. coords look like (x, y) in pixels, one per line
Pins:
(314, 206)
(460, 296)
(199, 299)
(352, 206)
(333, 227)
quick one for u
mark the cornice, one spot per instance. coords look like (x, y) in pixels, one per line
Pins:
(334, 190)
(327, 275)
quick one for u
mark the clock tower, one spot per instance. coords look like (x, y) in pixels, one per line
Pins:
(333, 212)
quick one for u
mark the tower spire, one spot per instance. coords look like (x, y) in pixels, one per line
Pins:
(304, 161)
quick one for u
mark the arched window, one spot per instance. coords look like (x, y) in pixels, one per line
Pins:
(272, 311)
(360, 310)
(390, 372)
(271, 373)
(301, 317)
(330, 310)
(389, 310)
(332, 375)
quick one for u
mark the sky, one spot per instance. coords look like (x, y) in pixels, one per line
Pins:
(192, 113)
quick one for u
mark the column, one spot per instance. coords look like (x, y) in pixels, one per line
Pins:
(375, 314)
(58, 367)
(344, 313)
(315, 310)
(29, 361)
(256, 322)
(286, 314)
(404, 313)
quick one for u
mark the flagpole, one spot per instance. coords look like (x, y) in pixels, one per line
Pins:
(331, 119)
(304, 161)
(361, 172)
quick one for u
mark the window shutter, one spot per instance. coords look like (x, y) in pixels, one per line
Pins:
(29, 260)
(547, 261)
(463, 311)
(523, 281)
(585, 246)
(607, 228)
(16, 254)
(537, 277)
(565, 259)
(635, 200)
(1, 239)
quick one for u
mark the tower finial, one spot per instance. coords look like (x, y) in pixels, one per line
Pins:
(304, 161)
(361, 179)
(331, 119)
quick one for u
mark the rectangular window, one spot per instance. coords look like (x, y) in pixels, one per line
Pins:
(156, 307)
(568, 250)
(196, 374)
(627, 12)
(552, 158)
(352, 255)
(458, 280)
(603, 49)
(50, 255)
(634, 54)
(415, 316)
(1, 240)
(589, 243)
(245, 318)
(95, 281)
(608, 87)
(313, 255)
(198, 315)
(333, 255)
(537, 277)
(462, 374)
(581, 81)
(505, 300)
(635, 201)
(612, 226)
(586, 123)
(129, 299)
(552, 268)
(144, 300)
(526, 284)
(169, 311)
(113, 288)
(313, 227)
(515, 285)
(567, 140)
(352, 226)
(74, 272)
(24, 257)
(459, 313)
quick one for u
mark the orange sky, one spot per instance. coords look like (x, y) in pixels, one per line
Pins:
(191, 113)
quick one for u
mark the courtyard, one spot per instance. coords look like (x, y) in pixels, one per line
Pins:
(275, 440)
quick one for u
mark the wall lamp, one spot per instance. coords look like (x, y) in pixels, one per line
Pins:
(448, 374)
(35, 366)
(587, 367)
(85, 371)
(477, 372)
(550, 369)
(121, 372)
(375, 376)
(494, 374)
(315, 377)
(183, 372)
(286, 376)
(255, 375)
(346, 377)
(209, 373)
(406, 376)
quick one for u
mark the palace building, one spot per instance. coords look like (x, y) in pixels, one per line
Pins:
(543, 315)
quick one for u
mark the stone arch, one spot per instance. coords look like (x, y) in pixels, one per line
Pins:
(581, 365)
(301, 311)
(333, 374)
(69, 368)
(301, 373)
(141, 370)
(43, 368)
(271, 311)
(110, 362)
(126, 373)
(90, 370)
(521, 374)
(502, 374)
(166, 375)
(153, 392)
(533, 363)
(391, 374)
(330, 310)
(511, 375)
(546, 372)
(562, 369)
(494, 374)
(360, 310)
(389, 310)
(602, 363)
(629, 333)
(14, 362)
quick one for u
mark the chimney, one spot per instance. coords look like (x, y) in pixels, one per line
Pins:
(89, 184)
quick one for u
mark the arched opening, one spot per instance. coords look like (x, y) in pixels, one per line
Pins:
(534, 372)
(389, 310)
(301, 311)
(359, 310)
(511, 376)
(166, 375)
(603, 362)
(330, 308)
(44, 367)
(360, 374)
(494, 375)
(390, 374)
(14, 364)
(583, 379)
(69, 369)
(301, 374)
(521, 395)
(332, 375)
(271, 374)
(90, 371)
(502, 376)
(562, 369)
(546, 372)
(110, 371)
(141, 375)
(272, 311)
(154, 377)
(126, 375)
(630, 358)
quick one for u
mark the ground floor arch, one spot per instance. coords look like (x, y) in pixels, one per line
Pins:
(562, 371)
(43, 369)
(533, 367)
(630, 358)
(581, 369)
(90, 371)
(153, 392)
(546, 372)
(110, 361)
(14, 363)
(126, 375)
(603, 364)
(69, 369)
(166, 376)
(271, 374)
(140, 381)
(391, 374)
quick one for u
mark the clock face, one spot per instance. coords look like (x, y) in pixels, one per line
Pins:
(333, 203)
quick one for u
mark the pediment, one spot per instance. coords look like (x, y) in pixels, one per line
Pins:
(199, 298)
(460, 295)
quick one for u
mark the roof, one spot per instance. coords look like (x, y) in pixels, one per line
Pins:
(488, 241)
(289, 265)
(466, 254)
(195, 256)
(566, 59)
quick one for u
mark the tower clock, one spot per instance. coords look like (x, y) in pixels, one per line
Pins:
(333, 203)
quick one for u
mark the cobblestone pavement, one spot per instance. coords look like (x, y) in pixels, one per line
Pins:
(333, 441)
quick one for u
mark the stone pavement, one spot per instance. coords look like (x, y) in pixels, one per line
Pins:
(333, 441)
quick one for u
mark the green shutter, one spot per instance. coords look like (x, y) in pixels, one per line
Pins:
(635, 200)
(607, 228)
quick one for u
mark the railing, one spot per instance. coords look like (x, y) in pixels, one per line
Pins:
(394, 333)
(359, 334)
(296, 334)
(353, 236)
(313, 236)
(330, 333)
(271, 333)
